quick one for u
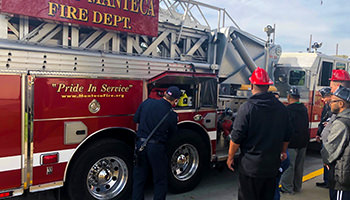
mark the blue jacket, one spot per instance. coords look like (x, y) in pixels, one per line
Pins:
(148, 115)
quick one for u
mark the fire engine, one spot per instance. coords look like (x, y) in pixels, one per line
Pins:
(73, 73)
(309, 72)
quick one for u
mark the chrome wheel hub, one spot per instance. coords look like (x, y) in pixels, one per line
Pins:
(107, 178)
(184, 162)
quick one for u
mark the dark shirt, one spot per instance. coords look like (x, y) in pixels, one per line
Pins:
(300, 125)
(149, 114)
(325, 117)
(261, 127)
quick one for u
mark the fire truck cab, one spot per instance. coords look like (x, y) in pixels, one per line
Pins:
(309, 72)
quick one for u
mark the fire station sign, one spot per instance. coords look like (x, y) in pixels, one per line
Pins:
(135, 16)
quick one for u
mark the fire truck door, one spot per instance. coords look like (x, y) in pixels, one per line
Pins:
(11, 131)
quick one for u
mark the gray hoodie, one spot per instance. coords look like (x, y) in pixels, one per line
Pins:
(336, 152)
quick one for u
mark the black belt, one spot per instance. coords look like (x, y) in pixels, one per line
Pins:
(151, 141)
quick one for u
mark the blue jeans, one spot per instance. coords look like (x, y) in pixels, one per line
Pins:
(284, 166)
(277, 191)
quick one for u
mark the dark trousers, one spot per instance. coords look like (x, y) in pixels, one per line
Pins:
(339, 195)
(251, 188)
(325, 174)
(154, 157)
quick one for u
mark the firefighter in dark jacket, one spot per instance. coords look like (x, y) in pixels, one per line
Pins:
(154, 157)
(326, 111)
(325, 117)
(291, 179)
(261, 130)
(336, 152)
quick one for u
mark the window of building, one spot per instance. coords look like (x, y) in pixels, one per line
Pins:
(297, 77)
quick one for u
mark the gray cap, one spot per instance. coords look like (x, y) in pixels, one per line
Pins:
(343, 93)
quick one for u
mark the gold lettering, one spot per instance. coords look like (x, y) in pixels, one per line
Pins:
(141, 7)
(71, 11)
(94, 20)
(62, 15)
(70, 88)
(61, 86)
(117, 19)
(151, 8)
(52, 8)
(98, 2)
(126, 5)
(109, 89)
(126, 23)
(107, 19)
(83, 14)
(104, 88)
(118, 3)
(92, 88)
(134, 7)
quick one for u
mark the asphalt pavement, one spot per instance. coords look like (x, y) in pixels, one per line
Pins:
(221, 184)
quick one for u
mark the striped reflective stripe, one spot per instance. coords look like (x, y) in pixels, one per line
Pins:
(313, 124)
(339, 195)
(63, 156)
(212, 135)
(10, 163)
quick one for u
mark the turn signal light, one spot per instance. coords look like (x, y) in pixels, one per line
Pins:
(5, 194)
(50, 159)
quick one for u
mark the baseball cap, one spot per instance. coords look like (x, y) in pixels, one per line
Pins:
(325, 91)
(174, 92)
(294, 92)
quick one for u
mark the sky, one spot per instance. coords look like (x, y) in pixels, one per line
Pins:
(327, 20)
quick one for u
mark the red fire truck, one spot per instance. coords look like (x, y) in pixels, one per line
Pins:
(73, 73)
(309, 72)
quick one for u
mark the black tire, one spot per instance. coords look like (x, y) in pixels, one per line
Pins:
(110, 159)
(182, 177)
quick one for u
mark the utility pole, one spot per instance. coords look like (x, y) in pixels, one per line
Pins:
(309, 50)
(336, 49)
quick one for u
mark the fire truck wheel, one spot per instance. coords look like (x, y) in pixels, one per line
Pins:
(186, 161)
(103, 171)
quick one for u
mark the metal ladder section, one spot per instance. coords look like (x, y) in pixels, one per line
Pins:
(181, 35)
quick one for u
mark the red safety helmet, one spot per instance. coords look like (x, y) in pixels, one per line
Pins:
(260, 77)
(340, 75)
